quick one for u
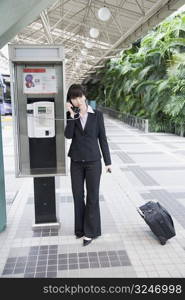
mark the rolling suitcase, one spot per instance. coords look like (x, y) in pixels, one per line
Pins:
(158, 219)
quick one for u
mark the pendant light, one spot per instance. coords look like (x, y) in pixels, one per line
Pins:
(88, 45)
(104, 13)
(94, 32)
(84, 51)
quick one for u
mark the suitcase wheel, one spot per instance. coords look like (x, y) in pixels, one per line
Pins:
(162, 240)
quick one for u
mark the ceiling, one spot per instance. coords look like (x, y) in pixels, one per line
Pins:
(68, 22)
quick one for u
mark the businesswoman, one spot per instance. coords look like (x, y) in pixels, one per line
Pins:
(86, 128)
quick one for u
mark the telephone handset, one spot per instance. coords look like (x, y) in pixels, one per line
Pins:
(75, 109)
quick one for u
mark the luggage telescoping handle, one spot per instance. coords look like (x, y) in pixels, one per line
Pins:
(140, 212)
(148, 210)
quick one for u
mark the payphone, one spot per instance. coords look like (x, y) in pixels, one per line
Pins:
(41, 119)
(41, 133)
(37, 76)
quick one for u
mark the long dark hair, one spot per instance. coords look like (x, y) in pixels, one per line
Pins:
(74, 91)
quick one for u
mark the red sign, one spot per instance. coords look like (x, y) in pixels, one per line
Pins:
(28, 70)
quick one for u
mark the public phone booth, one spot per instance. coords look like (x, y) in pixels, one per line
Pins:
(38, 93)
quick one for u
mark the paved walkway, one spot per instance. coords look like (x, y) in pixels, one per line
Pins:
(145, 167)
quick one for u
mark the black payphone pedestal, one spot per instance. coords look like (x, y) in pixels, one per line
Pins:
(45, 204)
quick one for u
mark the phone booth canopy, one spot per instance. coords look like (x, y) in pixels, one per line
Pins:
(37, 90)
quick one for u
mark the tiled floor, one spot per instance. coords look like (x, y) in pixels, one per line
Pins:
(144, 167)
(46, 261)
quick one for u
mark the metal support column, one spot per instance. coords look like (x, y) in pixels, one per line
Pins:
(2, 186)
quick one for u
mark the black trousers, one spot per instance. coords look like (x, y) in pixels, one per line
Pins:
(87, 215)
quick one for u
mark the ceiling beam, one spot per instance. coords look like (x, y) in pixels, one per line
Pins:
(71, 17)
(51, 8)
(85, 16)
(140, 7)
(122, 9)
(46, 26)
(54, 26)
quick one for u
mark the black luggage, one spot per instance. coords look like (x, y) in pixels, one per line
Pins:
(158, 219)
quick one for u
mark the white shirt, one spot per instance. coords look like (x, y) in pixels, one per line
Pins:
(83, 119)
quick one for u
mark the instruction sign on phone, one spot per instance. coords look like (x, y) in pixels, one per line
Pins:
(39, 81)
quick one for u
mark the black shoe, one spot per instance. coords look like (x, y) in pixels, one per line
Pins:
(87, 242)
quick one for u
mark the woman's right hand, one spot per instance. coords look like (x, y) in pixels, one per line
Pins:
(68, 107)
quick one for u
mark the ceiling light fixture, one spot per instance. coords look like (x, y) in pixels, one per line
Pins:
(94, 32)
(84, 51)
(104, 14)
(88, 45)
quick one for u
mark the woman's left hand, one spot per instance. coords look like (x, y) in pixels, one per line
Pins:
(108, 168)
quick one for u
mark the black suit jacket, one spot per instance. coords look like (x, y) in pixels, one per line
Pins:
(84, 145)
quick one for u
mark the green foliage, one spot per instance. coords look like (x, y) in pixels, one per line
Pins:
(148, 81)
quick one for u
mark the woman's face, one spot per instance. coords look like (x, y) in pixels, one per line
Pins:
(79, 101)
